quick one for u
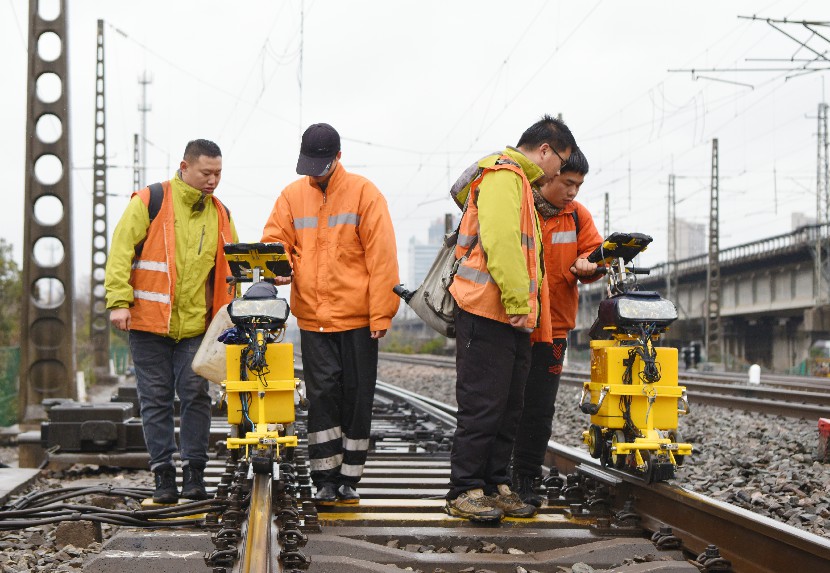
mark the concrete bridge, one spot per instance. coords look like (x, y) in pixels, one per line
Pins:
(774, 303)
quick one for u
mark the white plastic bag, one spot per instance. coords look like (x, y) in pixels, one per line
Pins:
(209, 361)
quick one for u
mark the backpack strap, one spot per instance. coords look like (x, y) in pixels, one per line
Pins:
(156, 198)
(505, 160)
(227, 211)
(154, 206)
(575, 215)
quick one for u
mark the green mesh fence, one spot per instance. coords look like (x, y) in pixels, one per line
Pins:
(9, 383)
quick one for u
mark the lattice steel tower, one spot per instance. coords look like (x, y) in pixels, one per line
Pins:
(672, 236)
(606, 226)
(99, 331)
(143, 108)
(136, 164)
(714, 339)
(822, 202)
(47, 368)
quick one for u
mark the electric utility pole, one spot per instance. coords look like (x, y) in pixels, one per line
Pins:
(672, 236)
(714, 336)
(143, 108)
(99, 327)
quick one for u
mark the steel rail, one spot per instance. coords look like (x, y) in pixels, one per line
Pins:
(750, 541)
(799, 382)
(789, 403)
(754, 392)
(767, 382)
(443, 412)
(774, 407)
(795, 382)
(780, 394)
(421, 359)
(256, 547)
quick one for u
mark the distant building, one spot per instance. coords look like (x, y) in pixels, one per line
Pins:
(691, 239)
(422, 255)
(420, 259)
(801, 220)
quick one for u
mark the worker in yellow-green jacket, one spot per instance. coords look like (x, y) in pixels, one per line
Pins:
(165, 280)
(497, 288)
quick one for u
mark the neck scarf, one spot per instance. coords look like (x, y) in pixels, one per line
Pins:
(545, 209)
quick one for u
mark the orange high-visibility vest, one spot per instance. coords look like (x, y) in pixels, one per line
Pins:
(473, 288)
(153, 275)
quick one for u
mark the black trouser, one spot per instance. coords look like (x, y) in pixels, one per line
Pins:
(539, 406)
(492, 362)
(340, 370)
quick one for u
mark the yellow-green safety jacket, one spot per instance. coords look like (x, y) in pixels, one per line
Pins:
(503, 217)
(196, 245)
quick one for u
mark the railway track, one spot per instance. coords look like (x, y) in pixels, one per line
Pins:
(598, 516)
(790, 396)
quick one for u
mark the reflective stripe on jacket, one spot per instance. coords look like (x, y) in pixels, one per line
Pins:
(342, 250)
(562, 245)
(154, 278)
(509, 244)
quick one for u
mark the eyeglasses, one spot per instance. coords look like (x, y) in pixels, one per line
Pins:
(564, 161)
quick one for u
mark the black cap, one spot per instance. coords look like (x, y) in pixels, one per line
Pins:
(320, 145)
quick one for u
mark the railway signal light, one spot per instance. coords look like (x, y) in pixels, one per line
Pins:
(696, 353)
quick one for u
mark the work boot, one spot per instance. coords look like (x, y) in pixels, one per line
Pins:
(347, 494)
(475, 506)
(326, 495)
(166, 490)
(523, 485)
(193, 482)
(510, 503)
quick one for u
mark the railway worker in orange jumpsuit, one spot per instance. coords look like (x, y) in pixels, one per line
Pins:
(497, 289)
(338, 233)
(165, 279)
(569, 236)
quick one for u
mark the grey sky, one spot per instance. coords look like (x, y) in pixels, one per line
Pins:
(418, 90)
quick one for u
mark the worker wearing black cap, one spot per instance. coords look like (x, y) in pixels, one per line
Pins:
(337, 231)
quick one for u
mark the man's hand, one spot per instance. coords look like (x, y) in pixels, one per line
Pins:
(377, 334)
(584, 268)
(280, 281)
(120, 318)
(519, 322)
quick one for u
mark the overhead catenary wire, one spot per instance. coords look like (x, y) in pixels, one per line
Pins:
(656, 126)
(19, 29)
(479, 93)
(582, 136)
(475, 140)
